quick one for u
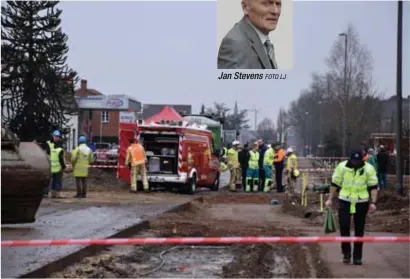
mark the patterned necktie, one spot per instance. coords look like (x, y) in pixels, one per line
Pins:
(271, 53)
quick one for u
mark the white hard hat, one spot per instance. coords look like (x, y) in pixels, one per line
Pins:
(289, 150)
(235, 142)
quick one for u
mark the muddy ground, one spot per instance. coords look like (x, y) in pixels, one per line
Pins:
(221, 215)
(392, 215)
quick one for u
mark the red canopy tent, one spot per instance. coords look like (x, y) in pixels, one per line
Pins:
(166, 113)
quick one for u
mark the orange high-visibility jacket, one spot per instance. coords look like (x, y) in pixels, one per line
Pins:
(135, 155)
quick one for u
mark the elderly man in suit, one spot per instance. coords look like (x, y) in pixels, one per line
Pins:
(247, 44)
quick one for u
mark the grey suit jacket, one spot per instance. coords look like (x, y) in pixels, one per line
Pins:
(241, 48)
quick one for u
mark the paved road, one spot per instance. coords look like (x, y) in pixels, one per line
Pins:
(99, 216)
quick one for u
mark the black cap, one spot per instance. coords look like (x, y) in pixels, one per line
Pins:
(356, 154)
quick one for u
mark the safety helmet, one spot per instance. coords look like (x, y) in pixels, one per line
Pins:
(56, 133)
(289, 150)
(82, 139)
(235, 142)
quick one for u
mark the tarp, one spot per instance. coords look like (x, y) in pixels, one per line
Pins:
(166, 113)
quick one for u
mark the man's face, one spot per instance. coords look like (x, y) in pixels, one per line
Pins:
(56, 139)
(264, 14)
(355, 162)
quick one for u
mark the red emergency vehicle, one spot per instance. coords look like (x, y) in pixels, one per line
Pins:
(167, 146)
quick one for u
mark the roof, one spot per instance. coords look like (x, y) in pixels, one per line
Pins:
(202, 120)
(89, 91)
(149, 110)
(166, 113)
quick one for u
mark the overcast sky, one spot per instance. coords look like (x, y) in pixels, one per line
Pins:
(164, 52)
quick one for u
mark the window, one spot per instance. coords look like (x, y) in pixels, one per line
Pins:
(105, 116)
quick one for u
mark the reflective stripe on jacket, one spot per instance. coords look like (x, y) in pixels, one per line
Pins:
(55, 159)
(233, 158)
(135, 155)
(253, 160)
(50, 146)
(353, 183)
(81, 161)
(269, 156)
(292, 162)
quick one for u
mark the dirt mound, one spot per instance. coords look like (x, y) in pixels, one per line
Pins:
(98, 180)
(392, 213)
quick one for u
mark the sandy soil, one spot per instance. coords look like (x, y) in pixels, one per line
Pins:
(221, 215)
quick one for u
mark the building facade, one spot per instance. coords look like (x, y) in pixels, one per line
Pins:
(99, 115)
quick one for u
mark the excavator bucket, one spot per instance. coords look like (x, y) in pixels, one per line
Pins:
(25, 172)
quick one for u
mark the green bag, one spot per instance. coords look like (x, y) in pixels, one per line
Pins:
(330, 223)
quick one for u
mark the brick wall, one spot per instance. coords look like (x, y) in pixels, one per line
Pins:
(109, 129)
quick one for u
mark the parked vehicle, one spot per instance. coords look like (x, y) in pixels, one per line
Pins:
(167, 147)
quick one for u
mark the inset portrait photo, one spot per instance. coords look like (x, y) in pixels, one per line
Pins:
(254, 34)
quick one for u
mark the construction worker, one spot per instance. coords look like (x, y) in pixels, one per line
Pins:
(262, 149)
(81, 159)
(382, 164)
(47, 146)
(233, 165)
(135, 160)
(57, 165)
(372, 160)
(268, 158)
(252, 174)
(291, 170)
(243, 162)
(279, 163)
(354, 179)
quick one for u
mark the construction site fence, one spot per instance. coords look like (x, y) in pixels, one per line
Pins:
(204, 240)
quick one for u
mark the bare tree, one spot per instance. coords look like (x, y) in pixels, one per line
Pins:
(317, 115)
(266, 129)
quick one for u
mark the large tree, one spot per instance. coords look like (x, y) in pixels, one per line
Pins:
(266, 130)
(37, 85)
(233, 120)
(317, 115)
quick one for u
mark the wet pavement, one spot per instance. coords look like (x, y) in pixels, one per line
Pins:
(90, 222)
(101, 215)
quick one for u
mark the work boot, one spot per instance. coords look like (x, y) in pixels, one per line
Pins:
(84, 192)
(357, 262)
(78, 195)
(346, 259)
(133, 190)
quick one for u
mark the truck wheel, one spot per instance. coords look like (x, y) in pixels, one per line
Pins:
(190, 187)
(215, 186)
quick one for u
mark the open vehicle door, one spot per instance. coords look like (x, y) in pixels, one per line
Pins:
(127, 132)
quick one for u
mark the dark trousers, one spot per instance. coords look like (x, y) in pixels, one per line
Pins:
(56, 179)
(262, 178)
(278, 175)
(359, 220)
(243, 174)
(81, 184)
(382, 180)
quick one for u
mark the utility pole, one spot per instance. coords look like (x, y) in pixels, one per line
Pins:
(344, 108)
(399, 129)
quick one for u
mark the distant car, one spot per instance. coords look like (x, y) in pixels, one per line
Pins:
(101, 153)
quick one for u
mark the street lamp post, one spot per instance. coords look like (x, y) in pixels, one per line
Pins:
(399, 127)
(344, 114)
(320, 123)
(307, 133)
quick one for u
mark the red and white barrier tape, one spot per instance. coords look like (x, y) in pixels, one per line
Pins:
(325, 158)
(205, 240)
(106, 166)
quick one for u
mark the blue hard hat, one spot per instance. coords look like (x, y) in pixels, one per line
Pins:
(82, 139)
(56, 133)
